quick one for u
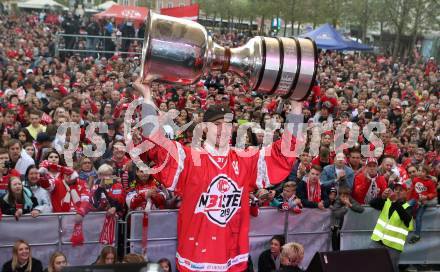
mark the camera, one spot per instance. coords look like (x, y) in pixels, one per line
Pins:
(368, 115)
(8, 164)
(108, 181)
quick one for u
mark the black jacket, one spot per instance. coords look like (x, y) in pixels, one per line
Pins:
(301, 192)
(36, 267)
(93, 29)
(9, 209)
(290, 269)
(265, 262)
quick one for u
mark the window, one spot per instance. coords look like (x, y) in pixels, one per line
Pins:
(170, 4)
(182, 3)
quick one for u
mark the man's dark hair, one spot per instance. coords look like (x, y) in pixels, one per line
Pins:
(13, 142)
(75, 110)
(35, 112)
(3, 151)
(279, 238)
(426, 168)
(344, 190)
(10, 112)
(324, 152)
(355, 150)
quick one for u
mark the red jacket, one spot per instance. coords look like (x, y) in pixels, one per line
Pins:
(106, 198)
(362, 184)
(78, 200)
(424, 187)
(317, 160)
(136, 199)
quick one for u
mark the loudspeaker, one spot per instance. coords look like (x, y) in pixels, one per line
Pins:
(364, 260)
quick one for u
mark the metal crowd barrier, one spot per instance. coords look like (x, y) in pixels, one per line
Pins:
(51, 232)
(311, 228)
(357, 229)
(98, 38)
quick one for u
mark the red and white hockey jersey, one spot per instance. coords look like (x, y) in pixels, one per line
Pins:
(68, 197)
(213, 222)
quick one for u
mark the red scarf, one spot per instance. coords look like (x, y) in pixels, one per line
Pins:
(77, 237)
(107, 235)
(314, 196)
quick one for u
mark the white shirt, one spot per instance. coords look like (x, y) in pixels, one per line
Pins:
(24, 162)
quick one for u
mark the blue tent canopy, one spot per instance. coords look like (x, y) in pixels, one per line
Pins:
(326, 37)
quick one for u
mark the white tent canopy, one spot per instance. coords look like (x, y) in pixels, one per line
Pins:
(105, 5)
(41, 4)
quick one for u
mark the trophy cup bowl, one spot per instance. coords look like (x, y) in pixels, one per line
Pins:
(180, 51)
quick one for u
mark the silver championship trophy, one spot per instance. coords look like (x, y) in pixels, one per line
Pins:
(181, 51)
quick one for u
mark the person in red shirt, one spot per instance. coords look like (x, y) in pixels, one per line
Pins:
(215, 181)
(5, 171)
(120, 162)
(431, 66)
(368, 184)
(423, 190)
(416, 160)
(146, 193)
(108, 193)
(67, 191)
(324, 158)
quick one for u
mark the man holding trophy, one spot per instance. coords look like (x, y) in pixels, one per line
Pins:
(213, 178)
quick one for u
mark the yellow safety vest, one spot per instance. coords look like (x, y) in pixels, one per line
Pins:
(391, 231)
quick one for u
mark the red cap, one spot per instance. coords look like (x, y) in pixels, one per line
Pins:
(200, 84)
(63, 90)
(328, 132)
(371, 160)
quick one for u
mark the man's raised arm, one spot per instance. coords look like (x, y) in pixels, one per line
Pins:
(275, 162)
(168, 156)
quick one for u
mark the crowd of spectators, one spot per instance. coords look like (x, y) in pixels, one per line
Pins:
(22, 260)
(39, 91)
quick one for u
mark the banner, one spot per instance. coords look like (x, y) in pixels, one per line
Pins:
(186, 12)
(357, 229)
